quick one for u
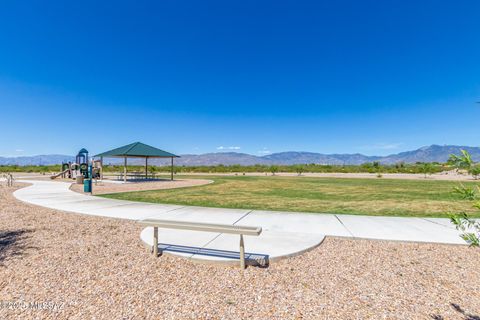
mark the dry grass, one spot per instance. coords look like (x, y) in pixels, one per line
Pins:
(332, 195)
(97, 268)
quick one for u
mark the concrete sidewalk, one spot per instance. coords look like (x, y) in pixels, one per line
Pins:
(284, 234)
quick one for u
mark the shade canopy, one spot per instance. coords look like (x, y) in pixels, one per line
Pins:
(137, 149)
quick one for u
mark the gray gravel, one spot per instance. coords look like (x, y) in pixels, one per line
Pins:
(97, 268)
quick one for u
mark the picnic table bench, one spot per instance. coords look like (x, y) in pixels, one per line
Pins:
(136, 175)
(207, 227)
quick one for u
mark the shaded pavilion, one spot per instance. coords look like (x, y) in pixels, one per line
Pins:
(137, 150)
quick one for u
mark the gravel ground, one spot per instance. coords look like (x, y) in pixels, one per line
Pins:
(106, 187)
(91, 267)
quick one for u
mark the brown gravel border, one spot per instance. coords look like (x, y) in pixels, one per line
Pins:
(97, 268)
(106, 187)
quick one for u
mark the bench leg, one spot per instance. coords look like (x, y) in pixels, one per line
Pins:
(242, 253)
(155, 241)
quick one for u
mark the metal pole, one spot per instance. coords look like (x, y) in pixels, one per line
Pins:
(242, 253)
(171, 173)
(125, 170)
(101, 168)
(146, 167)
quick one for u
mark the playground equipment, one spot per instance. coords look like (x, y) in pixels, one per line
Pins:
(80, 168)
(9, 179)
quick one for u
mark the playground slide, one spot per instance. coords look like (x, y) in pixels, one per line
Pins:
(59, 174)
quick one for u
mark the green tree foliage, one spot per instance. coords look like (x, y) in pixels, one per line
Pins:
(470, 228)
(466, 193)
(463, 161)
(273, 170)
(299, 169)
(313, 168)
(475, 171)
(41, 169)
(426, 168)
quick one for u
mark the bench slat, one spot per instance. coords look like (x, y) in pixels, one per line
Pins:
(208, 227)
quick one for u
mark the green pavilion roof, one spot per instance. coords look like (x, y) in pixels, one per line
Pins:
(137, 149)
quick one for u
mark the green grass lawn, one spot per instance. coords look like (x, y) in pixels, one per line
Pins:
(392, 197)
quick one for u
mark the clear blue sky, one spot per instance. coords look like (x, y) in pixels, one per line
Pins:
(374, 77)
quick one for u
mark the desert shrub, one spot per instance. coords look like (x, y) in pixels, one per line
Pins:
(311, 167)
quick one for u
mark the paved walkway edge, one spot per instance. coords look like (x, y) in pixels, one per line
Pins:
(284, 233)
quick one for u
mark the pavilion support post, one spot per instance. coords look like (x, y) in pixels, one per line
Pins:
(125, 170)
(146, 167)
(171, 171)
(101, 168)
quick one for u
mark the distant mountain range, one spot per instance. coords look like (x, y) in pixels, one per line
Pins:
(433, 153)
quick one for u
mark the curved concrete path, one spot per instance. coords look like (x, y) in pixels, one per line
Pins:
(284, 234)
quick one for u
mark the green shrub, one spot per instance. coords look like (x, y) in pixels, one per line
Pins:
(311, 167)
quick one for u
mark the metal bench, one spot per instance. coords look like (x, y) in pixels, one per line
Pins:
(207, 227)
(134, 175)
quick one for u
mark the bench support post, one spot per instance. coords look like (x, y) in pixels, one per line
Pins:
(155, 241)
(242, 252)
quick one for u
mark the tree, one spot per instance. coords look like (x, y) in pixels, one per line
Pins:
(470, 228)
(426, 168)
(466, 193)
(153, 170)
(299, 169)
(463, 161)
(400, 165)
(273, 170)
(475, 171)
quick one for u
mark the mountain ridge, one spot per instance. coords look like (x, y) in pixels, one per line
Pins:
(432, 153)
